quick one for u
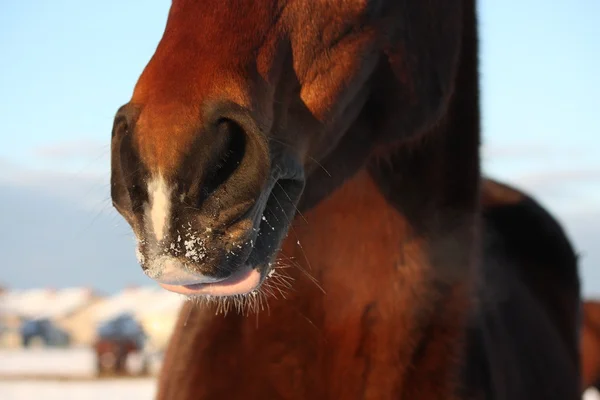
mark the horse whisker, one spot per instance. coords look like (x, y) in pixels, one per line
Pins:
(289, 198)
(309, 157)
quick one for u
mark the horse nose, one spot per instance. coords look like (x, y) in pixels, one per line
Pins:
(209, 174)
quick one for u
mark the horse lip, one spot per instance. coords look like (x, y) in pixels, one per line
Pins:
(172, 271)
(243, 281)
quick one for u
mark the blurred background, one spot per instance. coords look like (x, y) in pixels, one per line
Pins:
(74, 304)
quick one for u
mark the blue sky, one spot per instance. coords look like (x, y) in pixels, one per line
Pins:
(68, 65)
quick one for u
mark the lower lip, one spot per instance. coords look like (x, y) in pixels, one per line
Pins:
(244, 281)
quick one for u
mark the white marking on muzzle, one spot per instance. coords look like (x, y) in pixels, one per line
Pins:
(159, 210)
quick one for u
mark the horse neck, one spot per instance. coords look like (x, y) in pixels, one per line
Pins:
(395, 250)
(393, 253)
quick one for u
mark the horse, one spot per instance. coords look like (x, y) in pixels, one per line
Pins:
(111, 355)
(590, 345)
(326, 154)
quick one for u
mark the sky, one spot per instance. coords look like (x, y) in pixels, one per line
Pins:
(68, 65)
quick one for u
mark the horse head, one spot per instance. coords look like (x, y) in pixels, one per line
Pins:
(239, 108)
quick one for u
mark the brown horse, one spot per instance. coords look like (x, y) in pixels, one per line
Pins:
(341, 140)
(590, 345)
(111, 355)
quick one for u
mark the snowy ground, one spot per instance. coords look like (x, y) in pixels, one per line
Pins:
(117, 389)
(71, 363)
(77, 364)
(113, 389)
(591, 394)
(65, 374)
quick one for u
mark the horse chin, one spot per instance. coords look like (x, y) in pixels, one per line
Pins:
(248, 272)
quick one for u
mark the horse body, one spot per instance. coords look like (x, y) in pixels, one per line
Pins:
(523, 330)
(341, 138)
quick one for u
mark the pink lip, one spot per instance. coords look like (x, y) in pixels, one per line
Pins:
(242, 282)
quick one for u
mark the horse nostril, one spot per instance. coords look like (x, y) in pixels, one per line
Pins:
(227, 160)
(124, 120)
(126, 174)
